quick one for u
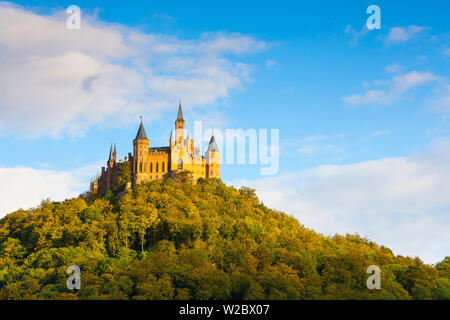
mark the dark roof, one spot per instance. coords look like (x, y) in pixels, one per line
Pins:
(212, 145)
(155, 149)
(180, 113)
(141, 132)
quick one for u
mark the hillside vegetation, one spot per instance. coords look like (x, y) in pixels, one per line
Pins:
(176, 240)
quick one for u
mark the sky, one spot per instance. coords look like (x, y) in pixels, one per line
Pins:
(362, 115)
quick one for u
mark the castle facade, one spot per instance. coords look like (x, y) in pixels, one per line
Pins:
(157, 163)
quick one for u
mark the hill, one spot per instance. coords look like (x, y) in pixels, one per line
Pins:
(177, 240)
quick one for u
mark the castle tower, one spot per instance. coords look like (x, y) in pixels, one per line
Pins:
(212, 156)
(111, 168)
(111, 161)
(140, 151)
(179, 126)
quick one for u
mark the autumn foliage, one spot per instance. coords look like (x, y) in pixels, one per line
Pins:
(178, 240)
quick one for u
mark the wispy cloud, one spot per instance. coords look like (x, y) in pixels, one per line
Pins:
(446, 52)
(271, 64)
(391, 90)
(163, 16)
(318, 144)
(393, 68)
(404, 34)
(380, 133)
(441, 102)
(356, 35)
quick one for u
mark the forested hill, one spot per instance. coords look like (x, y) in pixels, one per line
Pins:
(176, 240)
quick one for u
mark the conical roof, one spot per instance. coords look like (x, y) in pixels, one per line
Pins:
(111, 153)
(212, 147)
(141, 132)
(180, 113)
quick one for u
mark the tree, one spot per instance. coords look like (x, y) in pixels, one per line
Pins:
(123, 176)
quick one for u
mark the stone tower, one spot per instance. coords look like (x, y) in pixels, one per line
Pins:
(212, 156)
(140, 149)
(179, 126)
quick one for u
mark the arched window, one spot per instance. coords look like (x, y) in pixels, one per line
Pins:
(151, 167)
(162, 169)
(136, 167)
(180, 164)
(156, 167)
(140, 167)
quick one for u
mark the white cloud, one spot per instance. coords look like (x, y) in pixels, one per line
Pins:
(164, 17)
(402, 203)
(57, 81)
(27, 187)
(24, 187)
(270, 63)
(318, 144)
(441, 102)
(393, 68)
(379, 133)
(356, 35)
(403, 34)
(312, 149)
(391, 90)
(446, 52)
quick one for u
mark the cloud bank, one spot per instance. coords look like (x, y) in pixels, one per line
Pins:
(402, 203)
(26, 187)
(56, 81)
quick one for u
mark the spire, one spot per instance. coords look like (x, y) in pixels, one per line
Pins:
(111, 156)
(180, 113)
(188, 136)
(141, 132)
(115, 151)
(171, 136)
(212, 145)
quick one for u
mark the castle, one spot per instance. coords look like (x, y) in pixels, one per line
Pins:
(157, 163)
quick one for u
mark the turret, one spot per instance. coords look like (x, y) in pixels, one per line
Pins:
(179, 126)
(212, 156)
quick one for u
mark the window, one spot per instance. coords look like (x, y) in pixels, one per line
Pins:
(151, 167)
(180, 164)
(162, 169)
(140, 167)
(156, 167)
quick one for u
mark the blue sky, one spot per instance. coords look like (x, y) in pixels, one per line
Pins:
(363, 115)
